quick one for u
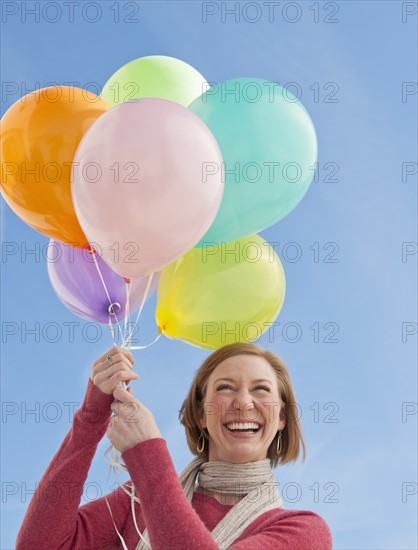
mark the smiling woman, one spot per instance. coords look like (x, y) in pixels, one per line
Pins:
(240, 418)
(243, 383)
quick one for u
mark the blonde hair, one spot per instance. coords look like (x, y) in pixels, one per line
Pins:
(192, 407)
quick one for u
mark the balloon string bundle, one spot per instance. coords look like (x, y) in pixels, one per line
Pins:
(114, 456)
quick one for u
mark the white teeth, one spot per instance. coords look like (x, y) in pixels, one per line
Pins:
(242, 426)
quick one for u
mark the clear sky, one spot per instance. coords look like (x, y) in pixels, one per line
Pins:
(347, 328)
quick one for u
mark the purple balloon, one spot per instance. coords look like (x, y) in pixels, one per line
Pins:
(75, 279)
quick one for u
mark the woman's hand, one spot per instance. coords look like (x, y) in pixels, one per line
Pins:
(132, 422)
(106, 374)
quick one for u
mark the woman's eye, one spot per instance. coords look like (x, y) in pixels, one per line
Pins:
(224, 387)
(228, 387)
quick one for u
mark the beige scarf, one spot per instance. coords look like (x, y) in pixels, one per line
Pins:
(253, 479)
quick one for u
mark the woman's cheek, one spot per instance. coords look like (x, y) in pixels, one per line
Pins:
(215, 406)
(271, 410)
(222, 406)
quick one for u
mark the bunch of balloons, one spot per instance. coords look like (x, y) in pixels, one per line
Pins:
(162, 174)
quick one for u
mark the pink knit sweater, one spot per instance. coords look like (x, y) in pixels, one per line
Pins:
(55, 521)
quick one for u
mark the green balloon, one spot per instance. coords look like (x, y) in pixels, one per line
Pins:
(269, 148)
(155, 76)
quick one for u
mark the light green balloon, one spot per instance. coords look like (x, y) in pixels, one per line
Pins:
(269, 147)
(155, 76)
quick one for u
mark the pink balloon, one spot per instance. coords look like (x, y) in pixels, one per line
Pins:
(147, 184)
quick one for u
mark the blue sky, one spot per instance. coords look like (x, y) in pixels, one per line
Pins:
(361, 449)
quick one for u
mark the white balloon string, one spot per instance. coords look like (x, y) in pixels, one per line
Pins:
(127, 311)
(134, 518)
(148, 345)
(144, 297)
(114, 465)
(114, 461)
(114, 524)
(112, 330)
(93, 253)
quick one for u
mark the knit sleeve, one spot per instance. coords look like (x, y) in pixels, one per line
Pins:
(170, 518)
(173, 523)
(53, 518)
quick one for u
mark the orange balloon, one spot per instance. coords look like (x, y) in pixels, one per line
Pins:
(39, 137)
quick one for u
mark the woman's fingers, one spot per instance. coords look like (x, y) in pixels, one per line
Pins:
(107, 374)
(122, 375)
(112, 366)
(129, 409)
(115, 359)
(119, 369)
(112, 353)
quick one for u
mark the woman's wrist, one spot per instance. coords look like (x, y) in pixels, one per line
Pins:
(132, 445)
(96, 404)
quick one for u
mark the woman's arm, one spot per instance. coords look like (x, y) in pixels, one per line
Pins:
(53, 518)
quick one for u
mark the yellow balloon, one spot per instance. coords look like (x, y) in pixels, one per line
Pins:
(221, 294)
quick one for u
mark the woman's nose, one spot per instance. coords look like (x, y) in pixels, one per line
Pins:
(243, 402)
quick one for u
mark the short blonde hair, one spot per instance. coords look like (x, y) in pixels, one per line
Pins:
(192, 407)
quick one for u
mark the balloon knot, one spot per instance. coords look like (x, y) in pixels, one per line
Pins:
(114, 308)
(127, 280)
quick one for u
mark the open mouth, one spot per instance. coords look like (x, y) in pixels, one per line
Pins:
(243, 427)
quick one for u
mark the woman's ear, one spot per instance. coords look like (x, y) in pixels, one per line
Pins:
(282, 421)
(202, 423)
(202, 420)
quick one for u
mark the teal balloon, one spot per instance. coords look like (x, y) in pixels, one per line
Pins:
(269, 149)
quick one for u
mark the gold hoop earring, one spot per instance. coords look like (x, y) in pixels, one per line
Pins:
(279, 443)
(198, 443)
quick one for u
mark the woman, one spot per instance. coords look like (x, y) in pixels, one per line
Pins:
(240, 418)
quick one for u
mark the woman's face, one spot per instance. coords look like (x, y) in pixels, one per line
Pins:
(242, 391)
